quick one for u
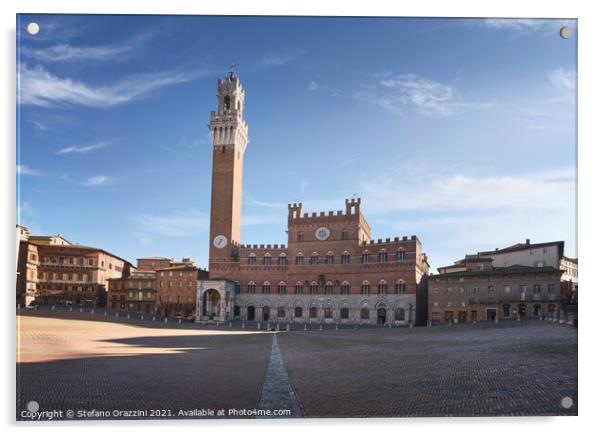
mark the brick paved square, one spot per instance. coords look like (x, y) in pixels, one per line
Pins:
(82, 364)
(69, 362)
(468, 370)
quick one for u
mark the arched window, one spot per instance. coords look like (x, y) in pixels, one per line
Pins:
(299, 288)
(226, 103)
(365, 257)
(299, 259)
(382, 257)
(265, 289)
(400, 314)
(344, 313)
(314, 258)
(329, 259)
(281, 312)
(344, 288)
(400, 287)
(282, 259)
(365, 288)
(281, 288)
(267, 259)
(400, 255)
(298, 312)
(328, 288)
(382, 287)
(252, 259)
(328, 312)
(313, 312)
(237, 287)
(251, 287)
(365, 313)
(313, 288)
(345, 258)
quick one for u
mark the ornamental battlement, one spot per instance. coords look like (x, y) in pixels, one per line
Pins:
(389, 240)
(295, 212)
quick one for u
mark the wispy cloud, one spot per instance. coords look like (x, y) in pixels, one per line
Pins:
(83, 149)
(64, 52)
(565, 81)
(26, 170)
(143, 238)
(521, 24)
(312, 86)
(403, 93)
(446, 192)
(39, 87)
(97, 180)
(67, 52)
(176, 224)
(274, 60)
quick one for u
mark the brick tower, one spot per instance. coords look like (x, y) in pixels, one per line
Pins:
(229, 135)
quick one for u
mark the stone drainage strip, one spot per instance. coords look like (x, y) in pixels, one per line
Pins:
(276, 392)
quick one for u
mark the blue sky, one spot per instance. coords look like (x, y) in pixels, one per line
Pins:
(462, 132)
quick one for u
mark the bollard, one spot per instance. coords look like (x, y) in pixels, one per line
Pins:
(258, 325)
(70, 309)
(495, 320)
(141, 317)
(411, 325)
(116, 314)
(203, 323)
(288, 326)
(128, 316)
(336, 327)
(166, 320)
(154, 318)
(105, 314)
(449, 323)
(243, 325)
(305, 326)
(429, 324)
(277, 326)
(229, 324)
(92, 311)
(320, 326)
(217, 324)
(81, 310)
(53, 307)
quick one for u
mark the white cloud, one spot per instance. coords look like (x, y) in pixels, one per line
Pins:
(26, 170)
(521, 24)
(39, 87)
(64, 52)
(97, 180)
(82, 149)
(404, 93)
(312, 86)
(563, 80)
(274, 60)
(143, 238)
(175, 224)
(446, 192)
(67, 52)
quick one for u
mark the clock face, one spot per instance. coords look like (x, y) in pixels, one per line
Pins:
(220, 241)
(322, 233)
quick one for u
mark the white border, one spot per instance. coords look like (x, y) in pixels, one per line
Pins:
(590, 75)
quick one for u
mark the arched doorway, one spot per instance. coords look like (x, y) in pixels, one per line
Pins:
(211, 303)
(381, 316)
(250, 312)
(265, 313)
